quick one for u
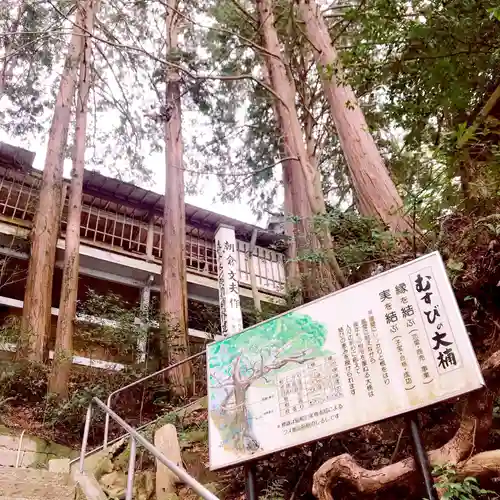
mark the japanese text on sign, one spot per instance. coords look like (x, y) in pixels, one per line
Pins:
(228, 270)
(434, 318)
(386, 346)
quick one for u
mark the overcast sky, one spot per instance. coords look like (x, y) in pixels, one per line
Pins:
(193, 125)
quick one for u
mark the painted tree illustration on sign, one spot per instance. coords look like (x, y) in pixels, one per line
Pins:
(240, 361)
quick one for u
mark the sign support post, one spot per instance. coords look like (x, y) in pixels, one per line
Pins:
(230, 309)
(421, 458)
(250, 488)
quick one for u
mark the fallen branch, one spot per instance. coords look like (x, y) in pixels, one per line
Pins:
(471, 434)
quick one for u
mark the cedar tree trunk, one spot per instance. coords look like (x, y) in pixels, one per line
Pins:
(292, 271)
(35, 323)
(61, 367)
(302, 178)
(376, 193)
(173, 299)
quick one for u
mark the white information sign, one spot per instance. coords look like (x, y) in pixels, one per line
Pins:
(391, 344)
(229, 295)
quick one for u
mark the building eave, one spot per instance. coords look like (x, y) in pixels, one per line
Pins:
(149, 202)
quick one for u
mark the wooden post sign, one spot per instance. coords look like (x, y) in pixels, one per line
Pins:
(229, 295)
(389, 345)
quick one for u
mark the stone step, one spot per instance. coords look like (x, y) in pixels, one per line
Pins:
(35, 484)
(37, 491)
(26, 475)
(18, 498)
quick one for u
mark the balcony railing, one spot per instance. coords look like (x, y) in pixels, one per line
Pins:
(18, 195)
(113, 226)
(268, 266)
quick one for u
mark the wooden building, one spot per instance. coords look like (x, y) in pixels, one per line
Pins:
(120, 250)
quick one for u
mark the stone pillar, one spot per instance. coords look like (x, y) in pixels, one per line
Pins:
(142, 342)
(228, 266)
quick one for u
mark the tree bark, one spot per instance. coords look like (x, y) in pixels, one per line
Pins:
(173, 298)
(293, 280)
(471, 435)
(35, 323)
(376, 193)
(61, 367)
(302, 178)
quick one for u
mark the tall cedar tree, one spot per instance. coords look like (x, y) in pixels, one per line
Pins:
(173, 297)
(35, 323)
(375, 192)
(301, 177)
(293, 277)
(61, 367)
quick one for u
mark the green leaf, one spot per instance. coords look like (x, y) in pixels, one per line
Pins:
(454, 265)
(494, 12)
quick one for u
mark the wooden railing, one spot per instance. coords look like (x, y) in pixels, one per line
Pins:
(18, 196)
(268, 266)
(135, 237)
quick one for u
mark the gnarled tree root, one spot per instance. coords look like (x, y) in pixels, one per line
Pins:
(459, 450)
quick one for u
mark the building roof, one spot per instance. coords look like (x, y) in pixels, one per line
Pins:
(12, 155)
(149, 201)
(143, 200)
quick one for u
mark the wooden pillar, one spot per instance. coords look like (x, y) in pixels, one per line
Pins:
(150, 238)
(253, 278)
(64, 193)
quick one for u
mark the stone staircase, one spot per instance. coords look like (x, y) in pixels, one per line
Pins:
(45, 478)
(35, 484)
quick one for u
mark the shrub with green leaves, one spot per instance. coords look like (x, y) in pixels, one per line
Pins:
(452, 488)
(275, 491)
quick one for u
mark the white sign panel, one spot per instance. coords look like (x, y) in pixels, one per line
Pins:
(229, 295)
(391, 344)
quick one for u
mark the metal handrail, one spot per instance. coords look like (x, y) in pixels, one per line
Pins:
(136, 438)
(115, 440)
(19, 449)
(136, 382)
